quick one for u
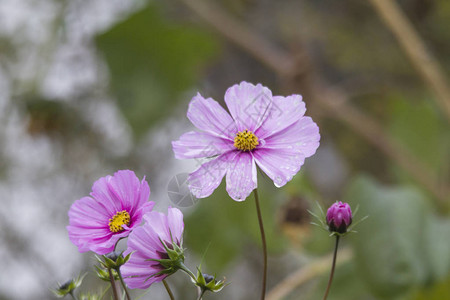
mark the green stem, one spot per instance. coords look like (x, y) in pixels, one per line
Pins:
(200, 294)
(73, 296)
(168, 290)
(123, 285)
(264, 245)
(189, 272)
(332, 268)
(104, 292)
(113, 284)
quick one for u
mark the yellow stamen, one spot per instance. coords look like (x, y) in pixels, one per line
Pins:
(245, 140)
(119, 219)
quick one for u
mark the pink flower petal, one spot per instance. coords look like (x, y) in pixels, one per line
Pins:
(302, 136)
(203, 181)
(144, 282)
(145, 245)
(124, 185)
(284, 112)
(89, 217)
(199, 145)
(175, 222)
(241, 176)
(140, 239)
(279, 164)
(159, 229)
(249, 105)
(208, 116)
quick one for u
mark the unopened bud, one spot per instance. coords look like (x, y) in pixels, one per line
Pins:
(339, 217)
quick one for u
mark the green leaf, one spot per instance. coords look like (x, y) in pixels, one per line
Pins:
(152, 61)
(390, 246)
(437, 291)
(418, 125)
(438, 248)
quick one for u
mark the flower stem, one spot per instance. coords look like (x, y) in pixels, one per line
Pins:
(113, 284)
(200, 294)
(123, 284)
(194, 279)
(73, 296)
(264, 245)
(187, 271)
(168, 290)
(104, 292)
(332, 268)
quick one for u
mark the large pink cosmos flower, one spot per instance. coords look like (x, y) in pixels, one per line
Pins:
(269, 131)
(115, 208)
(146, 245)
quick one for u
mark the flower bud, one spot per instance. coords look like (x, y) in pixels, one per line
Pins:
(113, 260)
(174, 258)
(207, 282)
(68, 287)
(339, 217)
(103, 274)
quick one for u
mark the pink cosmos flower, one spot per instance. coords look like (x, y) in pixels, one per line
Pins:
(150, 261)
(115, 207)
(267, 131)
(339, 217)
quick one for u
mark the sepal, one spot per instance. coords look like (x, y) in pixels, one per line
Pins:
(207, 282)
(68, 287)
(113, 260)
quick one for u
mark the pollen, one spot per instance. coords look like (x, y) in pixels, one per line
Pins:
(246, 140)
(119, 219)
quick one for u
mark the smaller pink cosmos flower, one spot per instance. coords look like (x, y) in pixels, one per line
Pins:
(150, 245)
(115, 207)
(271, 132)
(339, 217)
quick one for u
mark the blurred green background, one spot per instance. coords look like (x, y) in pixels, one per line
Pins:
(90, 87)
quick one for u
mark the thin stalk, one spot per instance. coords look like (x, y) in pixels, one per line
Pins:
(168, 290)
(264, 244)
(194, 279)
(113, 284)
(332, 268)
(123, 284)
(187, 271)
(104, 292)
(200, 295)
(73, 296)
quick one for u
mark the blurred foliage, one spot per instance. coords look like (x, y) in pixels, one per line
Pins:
(152, 61)
(402, 251)
(417, 124)
(347, 284)
(398, 245)
(226, 227)
(53, 118)
(438, 291)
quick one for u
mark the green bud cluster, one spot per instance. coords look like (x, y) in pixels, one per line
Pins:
(208, 283)
(68, 287)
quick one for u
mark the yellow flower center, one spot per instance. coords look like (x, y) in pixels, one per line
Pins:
(119, 219)
(245, 140)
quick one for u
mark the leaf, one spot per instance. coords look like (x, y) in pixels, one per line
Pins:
(390, 246)
(152, 61)
(438, 248)
(437, 291)
(417, 125)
